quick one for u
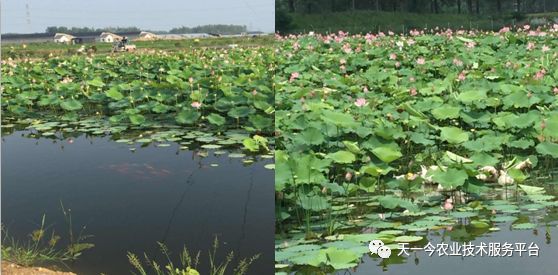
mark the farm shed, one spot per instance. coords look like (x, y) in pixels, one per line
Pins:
(63, 38)
(147, 36)
(108, 37)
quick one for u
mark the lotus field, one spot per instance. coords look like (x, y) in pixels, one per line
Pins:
(393, 137)
(216, 97)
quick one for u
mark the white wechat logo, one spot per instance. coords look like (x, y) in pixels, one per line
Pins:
(378, 247)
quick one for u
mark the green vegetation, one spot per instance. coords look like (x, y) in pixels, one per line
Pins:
(45, 246)
(218, 97)
(395, 137)
(189, 263)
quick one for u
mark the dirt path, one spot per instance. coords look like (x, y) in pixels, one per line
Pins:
(13, 269)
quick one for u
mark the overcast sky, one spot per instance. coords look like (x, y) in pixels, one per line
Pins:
(257, 15)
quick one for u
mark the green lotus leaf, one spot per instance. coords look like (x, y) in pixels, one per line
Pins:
(342, 157)
(453, 135)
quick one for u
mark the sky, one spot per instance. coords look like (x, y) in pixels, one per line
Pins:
(29, 16)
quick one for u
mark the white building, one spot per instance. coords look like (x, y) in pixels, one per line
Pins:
(108, 37)
(145, 36)
(63, 38)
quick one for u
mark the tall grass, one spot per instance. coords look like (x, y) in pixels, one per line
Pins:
(189, 263)
(44, 245)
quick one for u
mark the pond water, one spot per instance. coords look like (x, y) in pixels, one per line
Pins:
(420, 262)
(130, 200)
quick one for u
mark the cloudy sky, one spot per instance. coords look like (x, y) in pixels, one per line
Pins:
(28, 16)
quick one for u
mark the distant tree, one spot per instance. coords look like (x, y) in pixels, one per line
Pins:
(218, 29)
(82, 30)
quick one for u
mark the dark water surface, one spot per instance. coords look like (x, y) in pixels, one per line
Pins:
(420, 263)
(130, 200)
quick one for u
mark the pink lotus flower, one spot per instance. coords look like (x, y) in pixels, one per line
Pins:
(348, 176)
(545, 48)
(457, 62)
(421, 61)
(392, 56)
(530, 46)
(448, 205)
(365, 89)
(397, 64)
(471, 44)
(294, 76)
(191, 80)
(254, 92)
(342, 61)
(461, 76)
(540, 74)
(413, 91)
(360, 102)
(555, 90)
(196, 104)
(347, 48)
(504, 30)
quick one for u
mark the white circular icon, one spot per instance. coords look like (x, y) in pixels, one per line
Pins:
(374, 245)
(384, 252)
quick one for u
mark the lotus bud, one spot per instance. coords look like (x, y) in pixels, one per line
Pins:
(348, 176)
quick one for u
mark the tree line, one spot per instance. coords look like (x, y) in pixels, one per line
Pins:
(82, 30)
(217, 29)
(475, 7)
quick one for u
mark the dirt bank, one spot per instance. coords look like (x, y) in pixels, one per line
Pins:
(13, 269)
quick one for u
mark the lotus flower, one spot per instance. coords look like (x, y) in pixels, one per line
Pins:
(461, 76)
(348, 176)
(457, 62)
(504, 178)
(540, 74)
(421, 61)
(448, 204)
(523, 165)
(360, 102)
(487, 174)
(530, 46)
(294, 76)
(196, 104)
